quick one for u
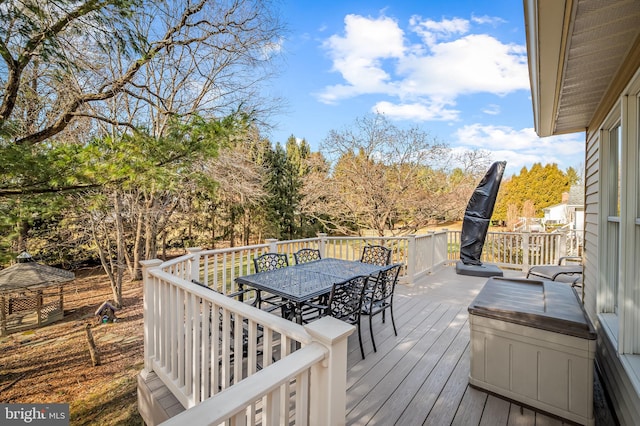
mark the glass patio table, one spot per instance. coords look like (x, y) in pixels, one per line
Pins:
(306, 281)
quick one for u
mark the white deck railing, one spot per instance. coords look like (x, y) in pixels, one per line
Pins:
(204, 346)
(218, 269)
(521, 250)
(288, 373)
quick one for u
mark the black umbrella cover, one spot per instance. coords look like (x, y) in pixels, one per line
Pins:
(478, 214)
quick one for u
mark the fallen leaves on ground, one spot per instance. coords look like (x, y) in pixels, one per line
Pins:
(52, 364)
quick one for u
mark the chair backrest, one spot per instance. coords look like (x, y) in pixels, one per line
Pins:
(345, 300)
(270, 261)
(306, 255)
(385, 283)
(376, 255)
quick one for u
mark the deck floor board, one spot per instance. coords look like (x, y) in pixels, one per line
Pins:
(420, 376)
(400, 382)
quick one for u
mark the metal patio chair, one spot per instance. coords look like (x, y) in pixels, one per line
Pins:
(345, 303)
(270, 262)
(376, 255)
(244, 335)
(306, 255)
(379, 297)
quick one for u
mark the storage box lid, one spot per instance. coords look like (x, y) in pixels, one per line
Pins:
(546, 305)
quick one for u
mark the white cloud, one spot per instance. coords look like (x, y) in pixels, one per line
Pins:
(471, 64)
(359, 54)
(522, 147)
(491, 109)
(491, 20)
(416, 111)
(430, 31)
(367, 38)
(375, 57)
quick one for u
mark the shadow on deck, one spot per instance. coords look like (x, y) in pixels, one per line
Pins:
(421, 376)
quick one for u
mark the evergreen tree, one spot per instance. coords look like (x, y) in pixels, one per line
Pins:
(283, 187)
(542, 186)
(299, 155)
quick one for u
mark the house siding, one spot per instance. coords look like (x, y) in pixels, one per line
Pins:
(624, 395)
(616, 381)
(590, 254)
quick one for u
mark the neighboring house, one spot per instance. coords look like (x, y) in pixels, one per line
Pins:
(575, 208)
(584, 64)
(569, 213)
(555, 215)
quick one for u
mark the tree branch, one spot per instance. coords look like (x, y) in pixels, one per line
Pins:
(7, 192)
(105, 119)
(115, 87)
(16, 66)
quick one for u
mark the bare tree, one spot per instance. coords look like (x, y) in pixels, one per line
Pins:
(224, 42)
(468, 168)
(214, 72)
(376, 176)
(239, 190)
(513, 217)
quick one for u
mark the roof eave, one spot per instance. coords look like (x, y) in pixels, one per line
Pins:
(546, 53)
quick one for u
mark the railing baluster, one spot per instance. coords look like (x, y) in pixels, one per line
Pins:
(223, 287)
(195, 368)
(180, 335)
(205, 260)
(175, 323)
(214, 365)
(238, 340)
(188, 348)
(205, 391)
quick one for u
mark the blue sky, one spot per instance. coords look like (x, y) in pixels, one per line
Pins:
(456, 69)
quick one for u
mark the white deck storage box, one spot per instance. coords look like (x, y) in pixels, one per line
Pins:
(532, 343)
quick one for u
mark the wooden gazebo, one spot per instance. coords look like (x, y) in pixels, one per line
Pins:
(31, 295)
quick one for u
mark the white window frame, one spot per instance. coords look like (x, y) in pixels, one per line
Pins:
(622, 325)
(629, 342)
(609, 224)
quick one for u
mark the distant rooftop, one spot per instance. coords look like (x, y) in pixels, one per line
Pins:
(576, 196)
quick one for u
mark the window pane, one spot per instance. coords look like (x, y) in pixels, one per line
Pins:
(612, 242)
(615, 147)
(619, 143)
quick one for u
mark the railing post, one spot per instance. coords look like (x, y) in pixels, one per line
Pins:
(525, 251)
(447, 255)
(329, 378)
(440, 254)
(273, 247)
(432, 261)
(149, 322)
(411, 258)
(562, 245)
(195, 263)
(321, 243)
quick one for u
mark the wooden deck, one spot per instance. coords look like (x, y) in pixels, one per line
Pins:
(419, 377)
